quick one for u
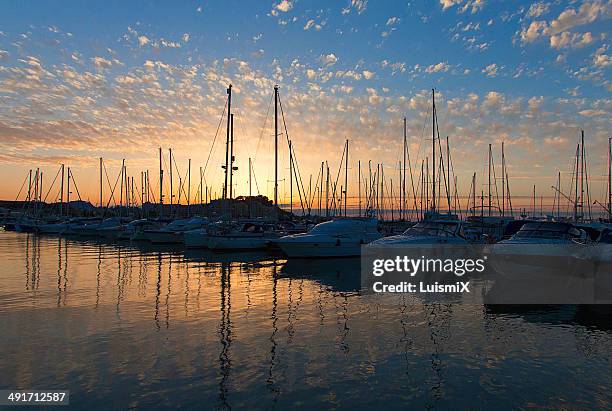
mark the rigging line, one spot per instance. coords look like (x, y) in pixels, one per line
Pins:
(51, 186)
(293, 158)
(21, 189)
(495, 180)
(113, 190)
(339, 169)
(109, 186)
(255, 177)
(263, 127)
(212, 146)
(75, 184)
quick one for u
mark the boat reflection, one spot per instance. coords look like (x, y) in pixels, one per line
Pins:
(337, 274)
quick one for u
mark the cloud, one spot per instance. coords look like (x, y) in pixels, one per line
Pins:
(463, 5)
(143, 40)
(491, 70)
(593, 113)
(367, 74)
(538, 9)
(434, 68)
(568, 19)
(493, 100)
(101, 63)
(571, 40)
(328, 59)
(309, 24)
(284, 6)
(358, 5)
(310, 73)
(393, 21)
(185, 37)
(4, 55)
(602, 60)
(199, 9)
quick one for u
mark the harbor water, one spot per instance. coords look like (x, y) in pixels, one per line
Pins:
(125, 326)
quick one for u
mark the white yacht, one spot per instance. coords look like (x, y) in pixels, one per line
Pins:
(337, 238)
(246, 236)
(544, 248)
(173, 232)
(447, 232)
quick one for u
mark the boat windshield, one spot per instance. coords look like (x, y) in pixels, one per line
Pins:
(433, 229)
(547, 230)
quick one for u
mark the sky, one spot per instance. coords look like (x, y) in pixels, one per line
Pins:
(118, 80)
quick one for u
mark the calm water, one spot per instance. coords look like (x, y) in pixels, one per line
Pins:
(122, 327)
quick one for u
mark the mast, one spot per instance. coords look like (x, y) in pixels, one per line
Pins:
(231, 168)
(227, 140)
(582, 174)
(62, 193)
(321, 192)
(30, 185)
(610, 178)
(250, 193)
(189, 188)
(290, 178)
(276, 146)
(171, 190)
(346, 176)
(448, 180)
(359, 184)
(474, 194)
(101, 182)
(161, 184)
(503, 181)
(490, 179)
(327, 191)
(403, 182)
(433, 158)
(68, 194)
(534, 200)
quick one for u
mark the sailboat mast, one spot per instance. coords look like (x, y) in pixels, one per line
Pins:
(490, 198)
(346, 176)
(359, 184)
(100, 182)
(276, 146)
(189, 188)
(327, 191)
(582, 173)
(62, 193)
(227, 138)
(161, 184)
(171, 190)
(403, 182)
(433, 158)
(503, 181)
(68, 194)
(231, 164)
(290, 178)
(610, 178)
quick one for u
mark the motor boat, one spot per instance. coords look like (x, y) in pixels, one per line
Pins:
(83, 227)
(52, 226)
(198, 238)
(336, 238)
(246, 236)
(447, 232)
(111, 228)
(172, 233)
(543, 248)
